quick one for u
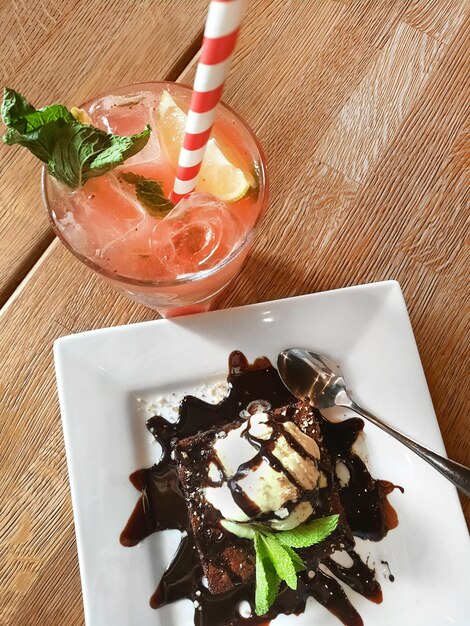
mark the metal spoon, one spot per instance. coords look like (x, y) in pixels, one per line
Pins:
(307, 374)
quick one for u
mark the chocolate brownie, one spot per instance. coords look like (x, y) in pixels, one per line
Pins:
(227, 559)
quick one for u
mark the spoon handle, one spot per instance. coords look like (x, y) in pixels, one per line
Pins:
(458, 474)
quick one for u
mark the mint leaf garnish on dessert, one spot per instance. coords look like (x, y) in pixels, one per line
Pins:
(295, 558)
(281, 560)
(267, 580)
(308, 534)
(276, 559)
(73, 151)
(150, 194)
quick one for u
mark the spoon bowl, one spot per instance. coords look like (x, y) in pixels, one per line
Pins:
(310, 375)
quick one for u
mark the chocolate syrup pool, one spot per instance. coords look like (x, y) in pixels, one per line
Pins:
(162, 506)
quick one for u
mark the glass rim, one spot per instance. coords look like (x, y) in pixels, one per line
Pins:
(185, 278)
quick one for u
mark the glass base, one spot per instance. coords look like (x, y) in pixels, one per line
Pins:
(185, 310)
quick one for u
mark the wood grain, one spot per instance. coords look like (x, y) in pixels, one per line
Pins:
(304, 75)
(65, 52)
(440, 20)
(375, 110)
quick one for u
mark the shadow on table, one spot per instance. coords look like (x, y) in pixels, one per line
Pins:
(264, 278)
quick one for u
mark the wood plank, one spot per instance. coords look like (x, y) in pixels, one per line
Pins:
(65, 52)
(440, 20)
(323, 230)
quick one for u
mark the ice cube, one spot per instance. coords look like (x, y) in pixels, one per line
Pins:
(132, 255)
(103, 212)
(127, 115)
(124, 115)
(197, 234)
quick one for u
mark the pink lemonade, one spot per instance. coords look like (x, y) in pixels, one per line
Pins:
(175, 261)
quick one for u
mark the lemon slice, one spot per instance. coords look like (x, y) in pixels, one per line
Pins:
(218, 175)
(170, 125)
(80, 115)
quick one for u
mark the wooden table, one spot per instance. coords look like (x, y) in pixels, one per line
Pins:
(362, 108)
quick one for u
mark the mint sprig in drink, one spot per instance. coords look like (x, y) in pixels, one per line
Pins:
(108, 177)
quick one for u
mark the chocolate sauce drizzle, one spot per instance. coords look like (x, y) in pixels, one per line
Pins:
(265, 453)
(162, 506)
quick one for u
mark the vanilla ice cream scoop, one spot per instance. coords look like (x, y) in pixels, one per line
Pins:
(264, 470)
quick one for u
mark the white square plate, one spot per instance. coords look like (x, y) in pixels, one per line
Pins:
(102, 374)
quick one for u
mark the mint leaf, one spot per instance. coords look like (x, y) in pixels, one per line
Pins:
(267, 581)
(296, 560)
(309, 534)
(25, 124)
(281, 560)
(14, 107)
(73, 152)
(40, 142)
(41, 117)
(150, 194)
(119, 149)
(80, 152)
(74, 148)
(276, 559)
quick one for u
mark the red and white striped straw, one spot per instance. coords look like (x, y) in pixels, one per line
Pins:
(220, 36)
